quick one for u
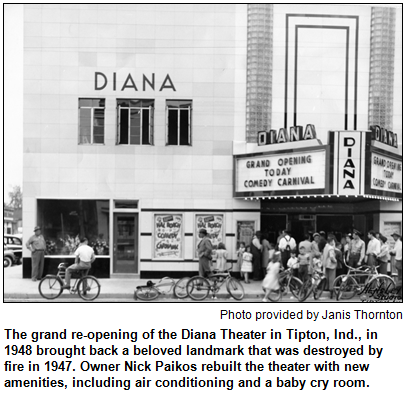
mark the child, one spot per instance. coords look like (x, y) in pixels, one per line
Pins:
(271, 280)
(270, 252)
(316, 265)
(246, 266)
(304, 262)
(213, 259)
(293, 263)
(221, 258)
(240, 253)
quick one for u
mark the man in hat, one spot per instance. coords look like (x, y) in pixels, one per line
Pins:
(204, 250)
(397, 252)
(36, 244)
(356, 250)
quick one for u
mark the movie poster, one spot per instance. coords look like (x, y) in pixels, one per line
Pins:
(168, 236)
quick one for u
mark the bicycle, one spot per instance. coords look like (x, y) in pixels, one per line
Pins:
(151, 290)
(315, 283)
(286, 281)
(348, 284)
(51, 286)
(198, 287)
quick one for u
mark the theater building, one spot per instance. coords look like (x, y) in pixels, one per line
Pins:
(144, 123)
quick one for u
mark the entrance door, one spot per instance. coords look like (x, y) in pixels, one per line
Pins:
(272, 224)
(125, 259)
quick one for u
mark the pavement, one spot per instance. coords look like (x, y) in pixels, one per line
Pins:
(18, 289)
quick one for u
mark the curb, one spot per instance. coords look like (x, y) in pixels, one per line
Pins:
(23, 296)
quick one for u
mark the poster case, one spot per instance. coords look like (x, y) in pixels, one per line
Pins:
(168, 236)
(214, 224)
(245, 232)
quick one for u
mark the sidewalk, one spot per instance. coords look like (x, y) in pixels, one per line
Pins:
(16, 288)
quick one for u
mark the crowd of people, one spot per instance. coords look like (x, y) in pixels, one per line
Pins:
(262, 260)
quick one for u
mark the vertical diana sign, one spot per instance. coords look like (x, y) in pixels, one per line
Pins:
(349, 163)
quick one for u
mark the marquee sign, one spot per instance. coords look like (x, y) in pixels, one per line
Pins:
(281, 173)
(294, 133)
(386, 173)
(384, 136)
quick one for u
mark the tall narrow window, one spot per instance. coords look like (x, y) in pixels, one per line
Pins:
(179, 122)
(135, 121)
(91, 121)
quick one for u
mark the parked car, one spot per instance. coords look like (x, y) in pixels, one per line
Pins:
(15, 244)
(8, 257)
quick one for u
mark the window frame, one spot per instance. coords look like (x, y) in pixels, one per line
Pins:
(150, 108)
(179, 109)
(92, 117)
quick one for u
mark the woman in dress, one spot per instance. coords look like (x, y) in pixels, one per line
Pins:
(221, 258)
(265, 253)
(271, 280)
(246, 267)
(240, 253)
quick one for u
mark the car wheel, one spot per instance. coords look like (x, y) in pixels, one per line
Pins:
(7, 261)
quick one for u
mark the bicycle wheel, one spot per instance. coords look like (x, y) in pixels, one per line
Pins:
(318, 291)
(347, 288)
(275, 295)
(198, 288)
(146, 293)
(50, 287)
(88, 288)
(305, 290)
(235, 289)
(337, 284)
(295, 285)
(180, 290)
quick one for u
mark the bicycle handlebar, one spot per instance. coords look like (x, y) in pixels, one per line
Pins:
(362, 268)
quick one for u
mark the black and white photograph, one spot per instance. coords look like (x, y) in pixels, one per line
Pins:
(209, 153)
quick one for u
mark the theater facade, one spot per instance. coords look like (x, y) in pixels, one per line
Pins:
(144, 123)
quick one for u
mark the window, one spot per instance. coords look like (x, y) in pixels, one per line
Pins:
(130, 204)
(64, 222)
(179, 122)
(135, 122)
(91, 121)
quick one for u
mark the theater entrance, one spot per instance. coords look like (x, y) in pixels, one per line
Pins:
(301, 224)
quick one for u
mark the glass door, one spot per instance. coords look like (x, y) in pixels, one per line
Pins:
(125, 259)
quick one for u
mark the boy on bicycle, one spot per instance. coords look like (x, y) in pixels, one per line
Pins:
(84, 257)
